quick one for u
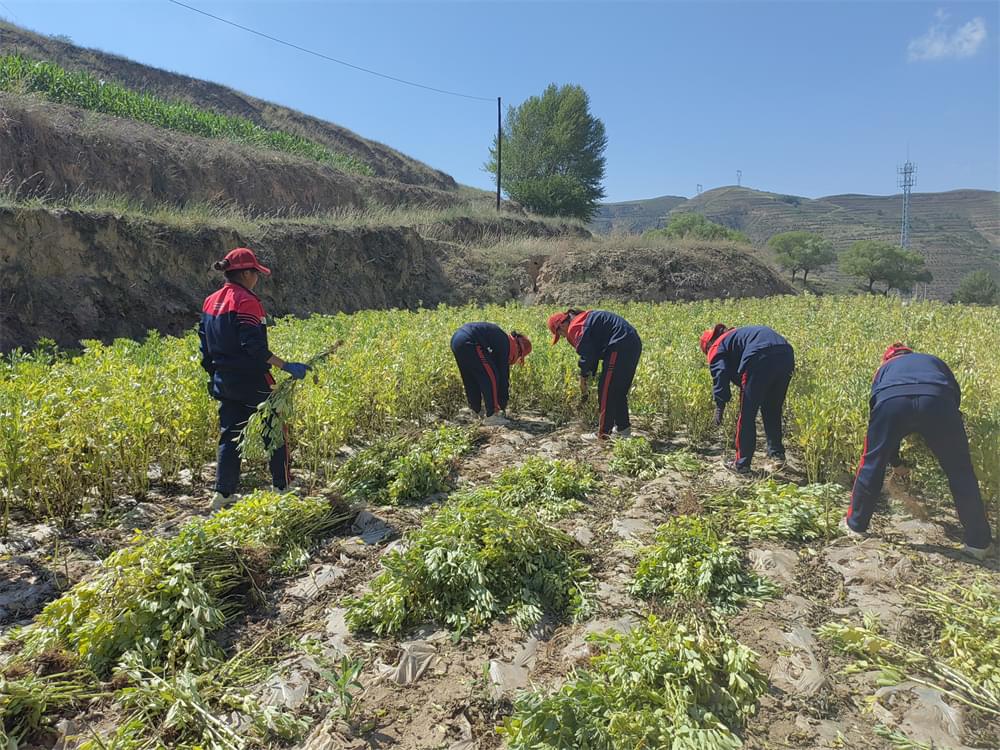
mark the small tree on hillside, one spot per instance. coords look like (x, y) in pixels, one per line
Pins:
(977, 288)
(874, 261)
(553, 154)
(695, 226)
(802, 251)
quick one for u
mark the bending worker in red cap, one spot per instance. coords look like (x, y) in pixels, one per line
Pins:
(484, 353)
(234, 352)
(760, 361)
(601, 336)
(914, 392)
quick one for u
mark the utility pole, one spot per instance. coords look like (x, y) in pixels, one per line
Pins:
(905, 180)
(739, 177)
(499, 151)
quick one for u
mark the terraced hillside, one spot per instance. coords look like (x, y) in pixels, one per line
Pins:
(634, 216)
(957, 231)
(384, 161)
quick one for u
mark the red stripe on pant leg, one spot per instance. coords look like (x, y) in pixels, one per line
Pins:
(739, 419)
(492, 377)
(861, 464)
(604, 392)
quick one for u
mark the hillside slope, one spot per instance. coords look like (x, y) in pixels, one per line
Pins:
(57, 150)
(634, 216)
(957, 232)
(384, 161)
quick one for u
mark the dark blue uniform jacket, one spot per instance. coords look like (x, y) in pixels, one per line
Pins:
(914, 375)
(234, 348)
(734, 350)
(601, 331)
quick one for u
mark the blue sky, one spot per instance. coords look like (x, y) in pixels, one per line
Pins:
(809, 98)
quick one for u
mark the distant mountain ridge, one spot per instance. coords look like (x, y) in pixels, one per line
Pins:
(956, 231)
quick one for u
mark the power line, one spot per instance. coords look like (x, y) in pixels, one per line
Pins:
(331, 59)
(11, 12)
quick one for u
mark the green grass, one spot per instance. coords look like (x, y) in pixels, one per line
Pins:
(249, 223)
(22, 75)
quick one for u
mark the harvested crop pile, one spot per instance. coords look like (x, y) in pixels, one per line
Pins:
(550, 488)
(396, 470)
(681, 685)
(690, 560)
(470, 563)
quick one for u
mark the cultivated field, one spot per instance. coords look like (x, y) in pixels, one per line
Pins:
(433, 581)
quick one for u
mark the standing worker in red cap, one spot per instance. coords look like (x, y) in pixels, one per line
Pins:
(602, 336)
(914, 392)
(235, 354)
(484, 353)
(760, 361)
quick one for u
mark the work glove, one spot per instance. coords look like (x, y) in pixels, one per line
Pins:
(296, 369)
(719, 410)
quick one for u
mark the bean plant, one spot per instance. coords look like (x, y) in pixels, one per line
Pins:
(78, 430)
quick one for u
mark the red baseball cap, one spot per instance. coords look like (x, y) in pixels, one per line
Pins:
(521, 347)
(556, 320)
(895, 349)
(706, 339)
(242, 258)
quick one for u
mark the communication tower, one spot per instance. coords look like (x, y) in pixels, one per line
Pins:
(739, 177)
(905, 181)
(698, 188)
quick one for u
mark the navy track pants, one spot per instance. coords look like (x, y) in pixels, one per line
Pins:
(233, 416)
(478, 376)
(763, 389)
(938, 421)
(617, 374)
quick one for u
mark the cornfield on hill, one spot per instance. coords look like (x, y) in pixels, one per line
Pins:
(77, 430)
(21, 75)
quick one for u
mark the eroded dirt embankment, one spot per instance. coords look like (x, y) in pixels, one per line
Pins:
(56, 150)
(70, 275)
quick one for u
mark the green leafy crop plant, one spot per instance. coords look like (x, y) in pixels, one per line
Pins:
(97, 420)
(665, 684)
(551, 488)
(689, 560)
(778, 510)
(635, 457)
(79, 89)
(963, 661)
(156, 604)
(397, 470)
(470, 563)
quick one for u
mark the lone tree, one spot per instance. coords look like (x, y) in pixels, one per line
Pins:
(802, 251)
(977, 288)
(553, 154)
(874, 261)
(689, 225)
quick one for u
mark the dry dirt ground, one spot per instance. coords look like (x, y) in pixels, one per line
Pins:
(426, 690)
